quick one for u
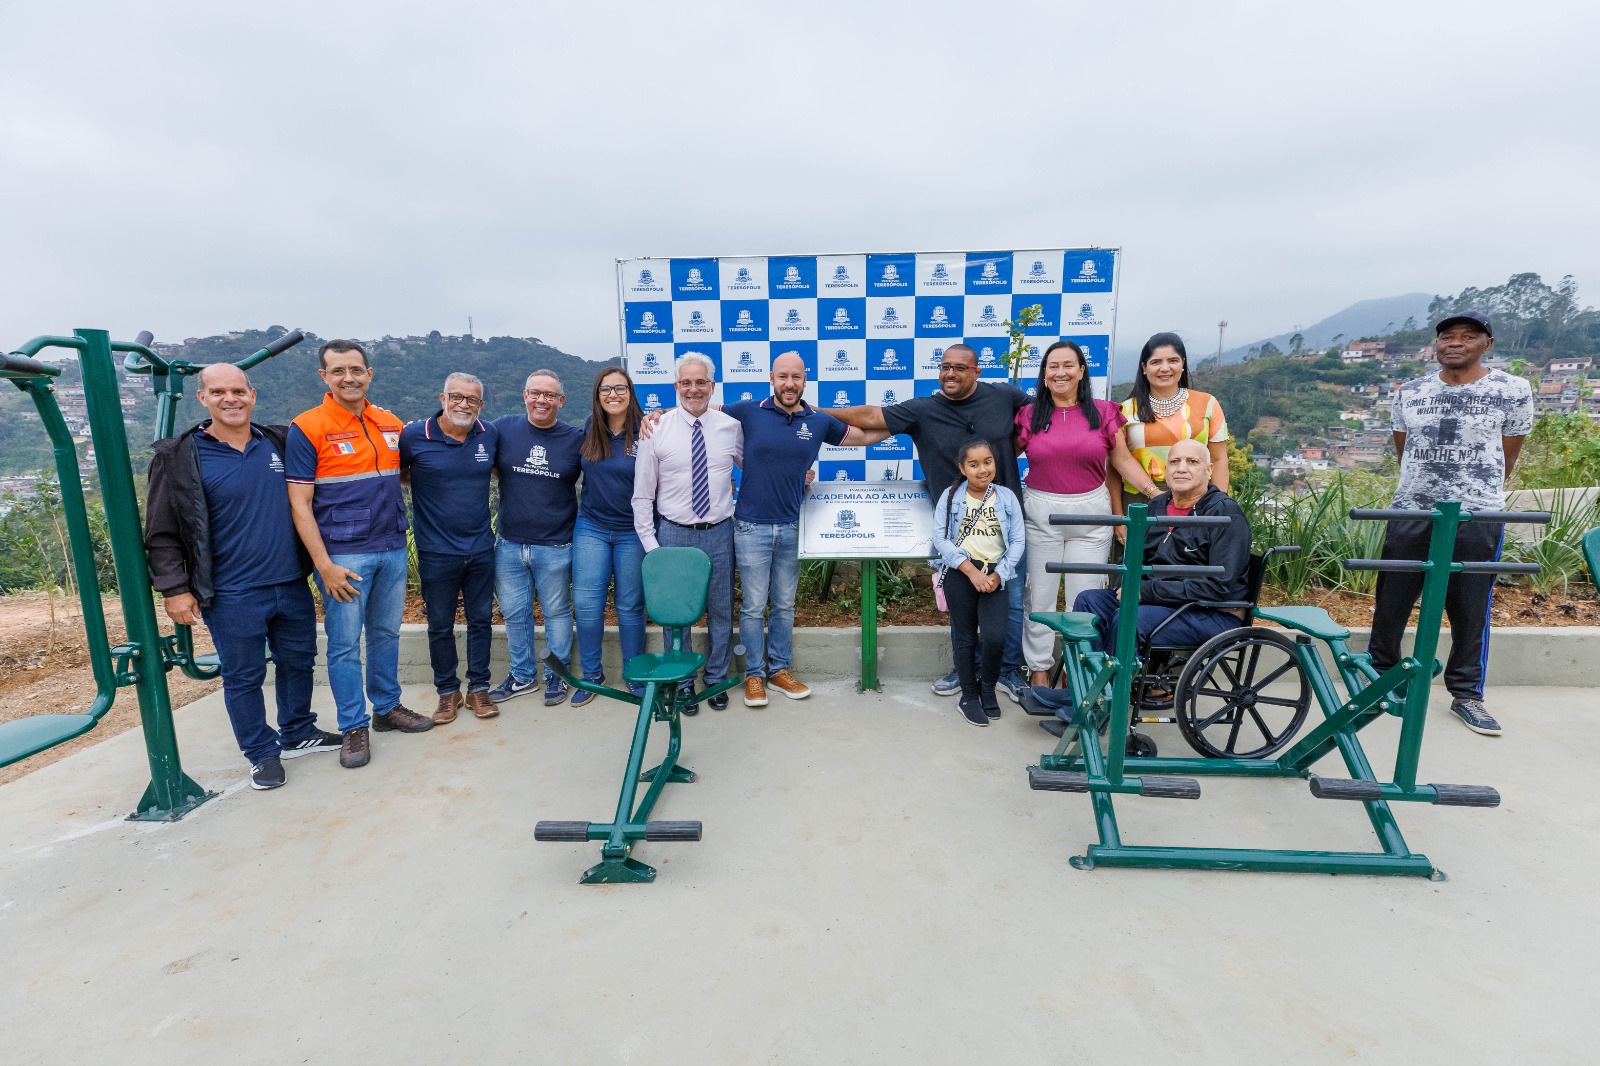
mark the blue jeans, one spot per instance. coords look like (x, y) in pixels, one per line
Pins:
(769, 573)
(1016, 591)
(1194, 628)
(599, 558)
(716, 542)
(243, 624)
(521, 572)
(377, 607)
(447, 580)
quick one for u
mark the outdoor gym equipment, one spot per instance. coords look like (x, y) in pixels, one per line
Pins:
(676, 581)
(1101, 686)
(143, 661)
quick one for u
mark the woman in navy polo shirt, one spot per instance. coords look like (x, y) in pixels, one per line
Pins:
(605, 549)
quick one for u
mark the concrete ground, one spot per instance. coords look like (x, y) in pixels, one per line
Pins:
(876, 884)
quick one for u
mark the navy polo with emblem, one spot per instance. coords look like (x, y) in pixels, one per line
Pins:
(779, 447)
(449, 485)
(253, 542)
(607, 498)
(539, 471)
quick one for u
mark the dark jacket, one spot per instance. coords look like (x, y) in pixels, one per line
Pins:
(1227, 546)
(177, 526)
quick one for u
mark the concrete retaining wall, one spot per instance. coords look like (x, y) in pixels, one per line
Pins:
(1517, 656)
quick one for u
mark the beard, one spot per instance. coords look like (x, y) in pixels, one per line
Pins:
(459, 421)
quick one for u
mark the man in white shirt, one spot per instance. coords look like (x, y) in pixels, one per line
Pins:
(683, 497)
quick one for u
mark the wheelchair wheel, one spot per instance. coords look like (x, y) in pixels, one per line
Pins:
(1140, 746)
(1242, 695)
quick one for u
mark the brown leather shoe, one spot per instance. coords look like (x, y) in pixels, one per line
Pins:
(755, 691)
(403, 719)
(356, 749)
(481, 705)
(449, 704)
(789, 685)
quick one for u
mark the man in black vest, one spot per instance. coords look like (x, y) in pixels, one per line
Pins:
(222, 548)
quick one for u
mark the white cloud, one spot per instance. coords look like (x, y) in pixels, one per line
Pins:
(370, 168)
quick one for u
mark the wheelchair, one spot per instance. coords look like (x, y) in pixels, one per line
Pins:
(1241, 695)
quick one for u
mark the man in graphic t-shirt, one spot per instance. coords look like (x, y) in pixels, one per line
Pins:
(1458, 433)
(538, 459)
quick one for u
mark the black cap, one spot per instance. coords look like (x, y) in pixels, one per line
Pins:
(1477, 318)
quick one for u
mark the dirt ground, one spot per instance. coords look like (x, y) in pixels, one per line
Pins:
(36, 678)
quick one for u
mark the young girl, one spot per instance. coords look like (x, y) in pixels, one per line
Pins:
(979, 534)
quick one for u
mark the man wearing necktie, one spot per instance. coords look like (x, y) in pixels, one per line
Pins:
(683, 497)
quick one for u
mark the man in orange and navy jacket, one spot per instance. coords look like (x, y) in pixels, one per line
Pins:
(343, 467)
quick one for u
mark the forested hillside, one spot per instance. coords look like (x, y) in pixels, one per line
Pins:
(408, 373)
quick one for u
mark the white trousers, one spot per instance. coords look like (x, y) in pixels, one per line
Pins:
(1059, 544)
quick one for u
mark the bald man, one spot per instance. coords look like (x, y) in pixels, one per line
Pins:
(1189, 491)
(222, 548)
(782, 435)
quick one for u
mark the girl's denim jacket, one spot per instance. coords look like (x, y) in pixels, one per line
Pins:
(951, 511)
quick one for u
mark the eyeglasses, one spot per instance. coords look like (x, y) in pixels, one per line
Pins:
(960, 367)
(455, 399)
(612, 390)
(540, 394)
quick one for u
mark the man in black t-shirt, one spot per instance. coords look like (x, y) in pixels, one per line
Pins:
(939, 425)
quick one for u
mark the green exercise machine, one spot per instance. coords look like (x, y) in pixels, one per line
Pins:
(143, 661)
(1231, 672)
(676, 581)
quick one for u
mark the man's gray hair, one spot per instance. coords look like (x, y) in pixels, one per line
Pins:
(561, 390)
(694, 357)
(462, 376)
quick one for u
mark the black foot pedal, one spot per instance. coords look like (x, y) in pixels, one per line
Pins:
(1057, 780)
(561, 831)
(1466, 796)
(1338, 788)
(672, 830)
(1174, 788)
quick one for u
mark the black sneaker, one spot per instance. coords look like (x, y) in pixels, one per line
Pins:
(719, 702)
(972, 710)
(511, 688)
(691, 706)
(1474, 717)
(317, 741)
(268, 773)
(991, 704)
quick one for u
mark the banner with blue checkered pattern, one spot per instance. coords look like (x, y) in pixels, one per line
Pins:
(871, 328)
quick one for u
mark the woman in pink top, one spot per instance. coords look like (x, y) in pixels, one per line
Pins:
(1077, 458)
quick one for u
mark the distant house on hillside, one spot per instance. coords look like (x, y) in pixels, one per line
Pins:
(1363, 351)
(1569, 366)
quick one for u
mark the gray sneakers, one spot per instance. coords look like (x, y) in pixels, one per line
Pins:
(1474, 717)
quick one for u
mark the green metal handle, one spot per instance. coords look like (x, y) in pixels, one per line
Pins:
(180, 653)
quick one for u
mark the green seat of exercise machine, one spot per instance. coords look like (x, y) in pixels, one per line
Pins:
(1591, 553)
(664, 668)
(676, 581)
(1072, 625)
(1313, 621)
(22, 737)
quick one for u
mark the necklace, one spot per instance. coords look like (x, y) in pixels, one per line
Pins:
(1168, 408)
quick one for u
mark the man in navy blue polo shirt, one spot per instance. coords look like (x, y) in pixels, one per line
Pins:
(782, 436)
(538, 459)
(222, 546)
(448, 460)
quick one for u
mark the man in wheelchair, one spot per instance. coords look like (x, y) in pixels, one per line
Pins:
(1189, 491)
(1175, 608)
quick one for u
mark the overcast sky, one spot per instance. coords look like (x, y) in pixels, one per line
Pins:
(361, 169)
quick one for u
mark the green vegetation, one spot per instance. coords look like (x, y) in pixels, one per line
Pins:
(1563, 451)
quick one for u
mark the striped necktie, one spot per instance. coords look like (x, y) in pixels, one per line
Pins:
(702, 476)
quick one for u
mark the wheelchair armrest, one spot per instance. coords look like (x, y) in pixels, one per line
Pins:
(1150, 641)
(1224, 605)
